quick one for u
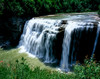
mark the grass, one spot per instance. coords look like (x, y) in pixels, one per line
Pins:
(22, 71)
(14, 65)
(11, 55)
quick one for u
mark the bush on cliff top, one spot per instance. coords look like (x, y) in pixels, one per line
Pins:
(44, 7)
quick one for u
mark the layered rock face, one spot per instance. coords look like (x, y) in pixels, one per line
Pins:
(10, 30)
(84, 42)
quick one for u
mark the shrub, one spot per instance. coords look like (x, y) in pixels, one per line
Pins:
(21, 71)
(1, 6)
(29, 7)
(90, 70)
(44, 7)
(17, 71)
(13, 8)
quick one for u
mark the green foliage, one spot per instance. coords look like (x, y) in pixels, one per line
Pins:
(14, 8)
(21, 71)
(1, 6)
(43, 7)
(90, 70)
(28, 7)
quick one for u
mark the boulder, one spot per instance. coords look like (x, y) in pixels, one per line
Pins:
(64, 22)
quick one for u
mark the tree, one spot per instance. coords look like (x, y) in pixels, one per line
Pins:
(1, 6)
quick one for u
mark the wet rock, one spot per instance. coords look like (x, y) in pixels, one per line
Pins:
(5, 44)
(11, 29)
(64, 22)
(95, 23)
(82, 42)
(61, 29)
(57, 48)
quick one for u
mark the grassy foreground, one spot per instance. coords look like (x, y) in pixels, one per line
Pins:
(11, 55)
(14, 65)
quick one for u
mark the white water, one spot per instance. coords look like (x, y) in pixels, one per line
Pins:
(96, 39)
(66, 44)
(67, 40)
(39, 34)
(37, 38)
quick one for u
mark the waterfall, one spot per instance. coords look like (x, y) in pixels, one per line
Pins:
(96, 40)
(66, 44)
(38, 37)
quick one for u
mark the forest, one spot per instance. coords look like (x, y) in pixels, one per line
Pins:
(24, 8)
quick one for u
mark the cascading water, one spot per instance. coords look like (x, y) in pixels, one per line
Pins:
(67, 41)
(39, 37)
(96, 40)
(66, 45)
